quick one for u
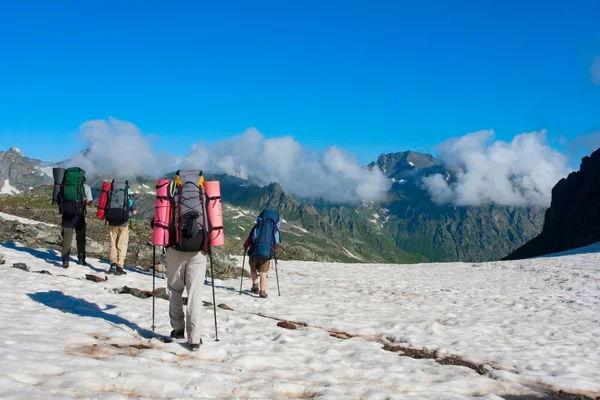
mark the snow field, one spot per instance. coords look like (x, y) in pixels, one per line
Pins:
(533, 321)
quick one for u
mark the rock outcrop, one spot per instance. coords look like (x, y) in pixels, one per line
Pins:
(573, 219)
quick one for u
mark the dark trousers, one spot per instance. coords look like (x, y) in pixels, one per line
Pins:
(69, 227)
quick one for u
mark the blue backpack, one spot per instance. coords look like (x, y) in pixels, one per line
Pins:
(265, 235)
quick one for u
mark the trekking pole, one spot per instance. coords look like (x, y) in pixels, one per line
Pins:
(212, 276)
(153, 283)
(242, 273)
(162, 270)
(277, 275)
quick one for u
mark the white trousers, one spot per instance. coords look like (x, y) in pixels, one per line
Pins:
(186, 271)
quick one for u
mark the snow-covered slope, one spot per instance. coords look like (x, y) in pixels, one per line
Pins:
(16, 150)
(10, 217)
(532, 322)
(8, 189)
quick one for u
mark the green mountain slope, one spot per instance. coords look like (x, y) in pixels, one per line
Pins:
(448, 233)
(406, 227)
(308, 232)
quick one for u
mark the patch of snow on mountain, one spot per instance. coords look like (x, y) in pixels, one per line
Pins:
(9, 217)
(300, 228)
(17, 151)
(8, 189)
(592, 248)
(290, 232)
(351, 254)
(411, 164)
(240, 214)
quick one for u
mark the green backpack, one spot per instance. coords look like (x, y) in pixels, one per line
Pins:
(72, 192)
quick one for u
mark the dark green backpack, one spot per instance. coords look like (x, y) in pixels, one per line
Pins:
(72, 192)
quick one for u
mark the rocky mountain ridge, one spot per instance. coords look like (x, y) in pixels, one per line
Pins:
(573, 219)
(406, 227)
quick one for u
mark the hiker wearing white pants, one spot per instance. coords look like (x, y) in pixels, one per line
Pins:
(185, 270)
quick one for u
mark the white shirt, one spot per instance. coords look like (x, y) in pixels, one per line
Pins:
(88, 193)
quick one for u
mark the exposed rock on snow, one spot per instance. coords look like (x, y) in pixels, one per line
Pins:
(286, 325)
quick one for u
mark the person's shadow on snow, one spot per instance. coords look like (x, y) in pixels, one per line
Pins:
(73, 305)
(47, 255)
(50, 256)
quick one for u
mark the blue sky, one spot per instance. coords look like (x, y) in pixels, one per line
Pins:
(367, 76)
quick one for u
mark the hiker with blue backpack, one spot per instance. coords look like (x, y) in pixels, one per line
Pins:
(73, 197)
(261, 246)
(119, 209)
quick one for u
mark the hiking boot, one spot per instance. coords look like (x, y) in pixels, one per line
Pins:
(120, 271)
(195, 346)
(178, 334)
(65, 264)
(254, 288)
(82, 262)
(263, 294)
(112, 269)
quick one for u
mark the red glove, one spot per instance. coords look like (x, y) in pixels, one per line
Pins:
(248, 241)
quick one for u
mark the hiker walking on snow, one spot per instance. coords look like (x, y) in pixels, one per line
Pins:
(73, 198)
(185, 257)
(262, 245)
(120, 208)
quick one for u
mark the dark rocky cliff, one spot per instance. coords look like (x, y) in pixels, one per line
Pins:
(573, 219)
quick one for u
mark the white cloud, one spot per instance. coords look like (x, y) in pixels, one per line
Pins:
(522, 172)
(116, 147)
(438, 188)
(334, 175)
(119, 148)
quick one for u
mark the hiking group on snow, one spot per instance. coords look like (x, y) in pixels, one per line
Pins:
(187, 224)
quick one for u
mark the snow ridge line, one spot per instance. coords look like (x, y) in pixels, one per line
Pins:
(481, 369)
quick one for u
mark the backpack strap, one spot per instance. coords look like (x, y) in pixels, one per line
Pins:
(168, 191)
(126, 196)
(110, 192)
(81, 188)
(215, 228)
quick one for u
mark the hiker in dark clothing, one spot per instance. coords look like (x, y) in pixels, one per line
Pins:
(262, 244)
(75, 223)
(262, 268)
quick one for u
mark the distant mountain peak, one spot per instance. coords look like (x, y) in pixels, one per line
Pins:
(15, 150)
(392, 164)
